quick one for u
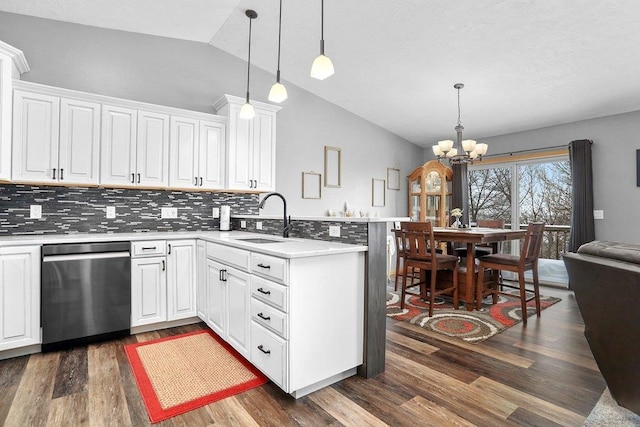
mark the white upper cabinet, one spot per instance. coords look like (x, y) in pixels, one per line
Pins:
(152, 153)
(36, 121)
(12, 64)
(251, 145)
(135, 148)
(79, 148)
(197, 154)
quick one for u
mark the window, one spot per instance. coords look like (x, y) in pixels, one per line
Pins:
(542, 188)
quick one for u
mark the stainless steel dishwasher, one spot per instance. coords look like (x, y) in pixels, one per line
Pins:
(86, 293)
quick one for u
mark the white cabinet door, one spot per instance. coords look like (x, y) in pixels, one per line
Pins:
(152, 153)
(118, 146)
(36, 119)
(216, 298)
(5, 116)
(201, 288)
(239, 166)
(183, 166)
(264, 150)
(19, 296)
(148, 291)
(210, 156)
(238, 309)
(181, 287)
(79, 153)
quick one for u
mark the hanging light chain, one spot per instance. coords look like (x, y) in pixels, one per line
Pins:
(249, 59)
(279, 39)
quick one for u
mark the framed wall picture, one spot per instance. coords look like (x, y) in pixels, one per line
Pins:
(311, 185)
(393, 179)
(332, 166)
(378, 192)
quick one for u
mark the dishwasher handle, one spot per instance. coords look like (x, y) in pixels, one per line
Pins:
(74, 257)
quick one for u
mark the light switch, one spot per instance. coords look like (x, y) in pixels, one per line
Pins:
(334, 230)
(111, 211)
(259, 225)
(35, 211)
(598, 214)
(215, 212)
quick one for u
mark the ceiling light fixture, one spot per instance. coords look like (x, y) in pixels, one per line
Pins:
(278, 92)
(247, 111)
(322, 66)
(468, 149)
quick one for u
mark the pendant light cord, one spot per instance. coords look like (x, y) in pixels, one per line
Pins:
(249, 60)
(279, 39)
(322, 27)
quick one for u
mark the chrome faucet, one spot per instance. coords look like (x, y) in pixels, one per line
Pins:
(287, 221)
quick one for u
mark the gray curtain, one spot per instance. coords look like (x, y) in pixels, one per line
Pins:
(582, 225)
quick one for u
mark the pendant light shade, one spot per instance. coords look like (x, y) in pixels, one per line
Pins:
(278, 92)
(322, 66)
(247, 111)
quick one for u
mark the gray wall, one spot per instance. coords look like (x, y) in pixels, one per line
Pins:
(615, 141)
(193, 76)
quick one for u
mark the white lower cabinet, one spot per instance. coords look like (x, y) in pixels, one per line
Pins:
(181, 281)
(228, 304)
(306, 323)
(163, 281)
(19, 296)
(148, 290)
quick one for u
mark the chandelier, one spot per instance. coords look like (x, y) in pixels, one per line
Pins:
(465, 151)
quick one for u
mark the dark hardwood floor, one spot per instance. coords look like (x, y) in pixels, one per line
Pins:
(541, 374)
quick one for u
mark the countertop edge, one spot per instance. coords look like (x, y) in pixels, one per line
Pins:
(227, 238)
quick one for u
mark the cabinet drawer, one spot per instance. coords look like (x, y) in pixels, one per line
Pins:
(269, 354)
(227, 255)
(148, 248)
(269, 317)
(270, 267)
(270, 292)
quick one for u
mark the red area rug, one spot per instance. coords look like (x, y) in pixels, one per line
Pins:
(184, 372)
(471, 326)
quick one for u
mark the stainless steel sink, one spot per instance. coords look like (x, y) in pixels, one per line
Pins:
(259, 240)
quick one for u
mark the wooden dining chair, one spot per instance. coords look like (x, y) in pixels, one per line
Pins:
(400, 256)
(527, 260)
(420, 253)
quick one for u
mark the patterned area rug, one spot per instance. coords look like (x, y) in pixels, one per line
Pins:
(184, 372)
(471, 326)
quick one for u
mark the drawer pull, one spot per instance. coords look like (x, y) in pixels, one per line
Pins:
(262, 291)
(264, 266)
(148, 248)
(261, 348)
(262, 316)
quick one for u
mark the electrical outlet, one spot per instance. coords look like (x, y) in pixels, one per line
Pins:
(598, 214)
(111, 211)
(259, 225)
(243, 224)
(169, 212)
(334, 230)
(35, 211)
(215, 212)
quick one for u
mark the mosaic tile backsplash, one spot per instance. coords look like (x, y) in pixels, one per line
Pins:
(83, 210)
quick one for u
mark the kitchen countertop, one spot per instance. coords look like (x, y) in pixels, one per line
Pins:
(283, 248)
(326, 218)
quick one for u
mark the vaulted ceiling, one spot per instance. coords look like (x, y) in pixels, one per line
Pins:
(525, 63)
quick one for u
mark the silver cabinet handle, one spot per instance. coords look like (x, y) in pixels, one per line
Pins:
(138, 178)
(195, 181)
(133, 178)
(169, 246)
(200, 181)
(163, 265)
(61, 174)
(54, 174)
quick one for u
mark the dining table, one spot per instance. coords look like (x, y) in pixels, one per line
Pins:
(472, 236)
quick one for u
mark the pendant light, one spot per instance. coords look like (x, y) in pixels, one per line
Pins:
(278, 92)
(247, 111)
(322, 66)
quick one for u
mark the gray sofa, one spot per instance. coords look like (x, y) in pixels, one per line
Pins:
(605, 277)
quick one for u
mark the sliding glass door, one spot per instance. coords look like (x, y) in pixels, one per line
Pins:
(542, 189)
